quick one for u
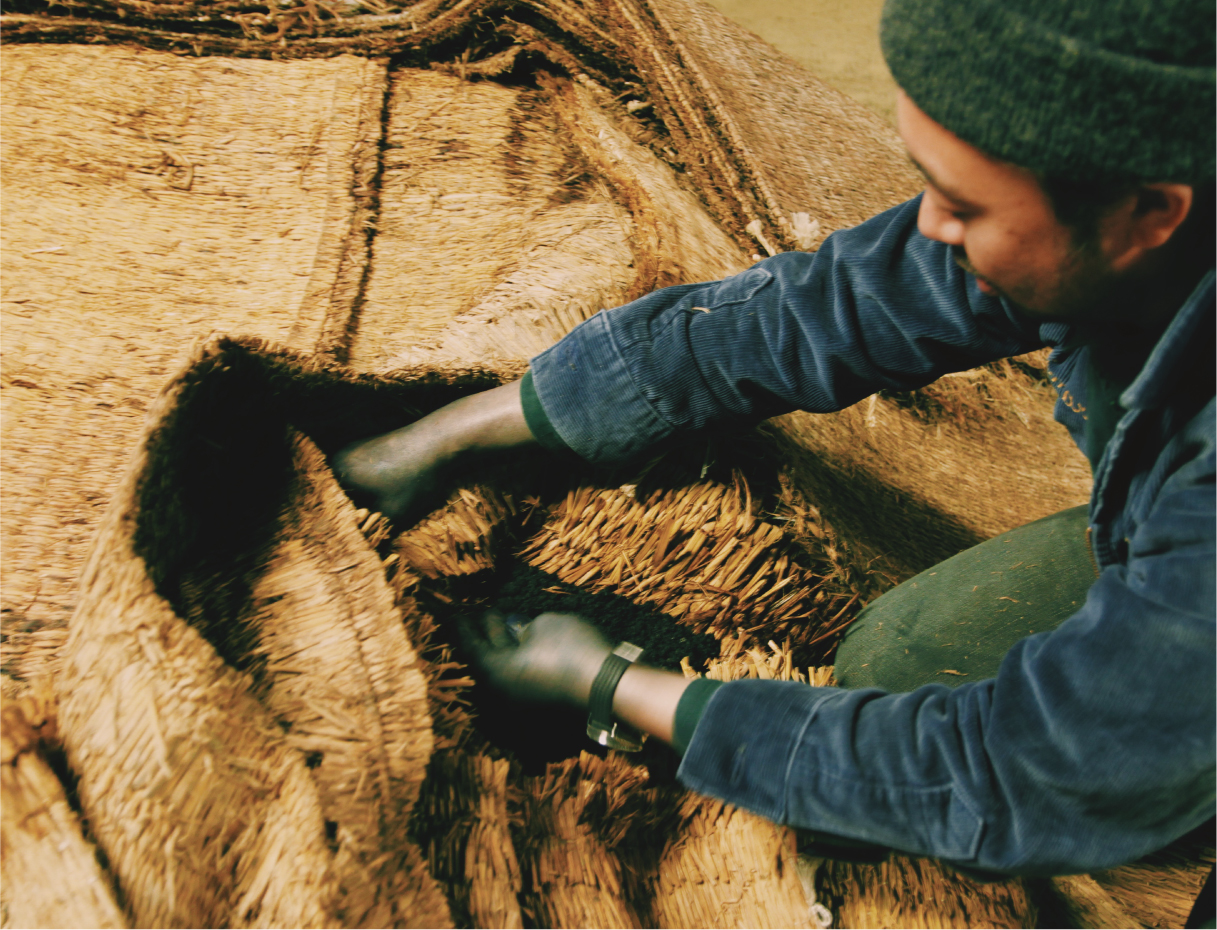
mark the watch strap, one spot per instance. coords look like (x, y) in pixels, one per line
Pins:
(601, 725)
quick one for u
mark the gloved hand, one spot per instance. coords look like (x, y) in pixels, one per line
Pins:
(556, 657)
(395, 473)
(398, 473)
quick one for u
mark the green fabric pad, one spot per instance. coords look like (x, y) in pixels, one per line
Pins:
(955, 622)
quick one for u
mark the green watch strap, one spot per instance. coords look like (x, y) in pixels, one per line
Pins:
(689, 710)
(534, 416)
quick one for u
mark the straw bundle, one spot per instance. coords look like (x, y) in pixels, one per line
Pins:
(575, 878)
(904, 892)
(206, 193)
(1160, 890)
(697, 553)
(1084, 903)
(463, 820)
(461, 538)
(51, 874)
(729, 868)
(722, 866)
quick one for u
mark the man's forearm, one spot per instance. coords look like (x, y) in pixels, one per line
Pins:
(395, 472)
(646, 698)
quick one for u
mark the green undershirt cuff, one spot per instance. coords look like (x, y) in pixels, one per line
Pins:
(689, 710)
(534, 415)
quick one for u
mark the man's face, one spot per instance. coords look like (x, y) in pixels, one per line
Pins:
(1000, 225)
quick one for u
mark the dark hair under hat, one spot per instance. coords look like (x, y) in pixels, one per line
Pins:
(1087, 89)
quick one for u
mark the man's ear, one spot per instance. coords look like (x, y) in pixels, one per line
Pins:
(1146, 221)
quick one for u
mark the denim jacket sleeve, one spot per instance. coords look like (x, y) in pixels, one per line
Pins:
(1093, 746)
(878, 306)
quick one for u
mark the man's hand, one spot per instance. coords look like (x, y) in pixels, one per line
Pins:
(556, 657)
(396, 473)
(399, 473)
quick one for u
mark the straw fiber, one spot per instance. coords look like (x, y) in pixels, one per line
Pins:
(148, 200)
(51, 874)
(699, 554)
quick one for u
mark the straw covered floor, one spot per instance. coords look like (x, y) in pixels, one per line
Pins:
(232, 697)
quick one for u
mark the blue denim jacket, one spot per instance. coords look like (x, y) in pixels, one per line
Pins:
(1095, 742)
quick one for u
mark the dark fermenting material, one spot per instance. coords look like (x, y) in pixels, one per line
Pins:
(664, 640)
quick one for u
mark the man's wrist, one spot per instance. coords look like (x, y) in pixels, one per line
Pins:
(602, 725)
(535, 417)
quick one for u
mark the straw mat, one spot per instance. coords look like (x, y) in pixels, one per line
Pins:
(792, 159)
(51, 874)
(149, 199)
(239, 697)
(763, 141)
(911, 486)
(509, 216)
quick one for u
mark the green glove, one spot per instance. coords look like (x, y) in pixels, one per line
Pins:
(555, 658)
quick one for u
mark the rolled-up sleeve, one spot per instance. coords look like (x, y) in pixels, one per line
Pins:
(1094, 745)
(877, 307)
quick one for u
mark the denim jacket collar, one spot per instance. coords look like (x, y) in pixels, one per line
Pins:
(1154, 385)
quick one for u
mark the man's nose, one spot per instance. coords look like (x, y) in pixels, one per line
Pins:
(935, 222)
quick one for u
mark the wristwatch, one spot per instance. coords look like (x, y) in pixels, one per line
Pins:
(601, 727)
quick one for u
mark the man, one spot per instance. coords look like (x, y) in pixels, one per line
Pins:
(1069, 158)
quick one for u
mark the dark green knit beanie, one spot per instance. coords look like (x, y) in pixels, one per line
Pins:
(1082, 89)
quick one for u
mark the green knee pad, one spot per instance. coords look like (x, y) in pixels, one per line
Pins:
(955, 622)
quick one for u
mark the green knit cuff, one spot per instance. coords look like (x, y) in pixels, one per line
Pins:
(534, 415)
(689, 710)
